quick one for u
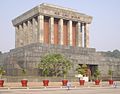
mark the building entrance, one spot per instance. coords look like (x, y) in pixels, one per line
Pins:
(90, 70)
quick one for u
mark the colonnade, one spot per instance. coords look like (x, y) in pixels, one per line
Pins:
(51, 30)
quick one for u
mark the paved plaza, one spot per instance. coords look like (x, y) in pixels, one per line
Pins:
(57, 88)
(82, 90)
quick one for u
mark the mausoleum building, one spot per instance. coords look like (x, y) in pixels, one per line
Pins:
(53, 29)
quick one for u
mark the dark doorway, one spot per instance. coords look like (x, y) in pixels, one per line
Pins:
(90, 70)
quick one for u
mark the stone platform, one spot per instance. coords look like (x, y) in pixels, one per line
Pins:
(29, 56)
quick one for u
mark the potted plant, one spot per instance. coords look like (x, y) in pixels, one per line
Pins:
(24, 81)
(110, 73)
(44, 66)
(81, 70)
(45, 81)
(64, 81)
(2, 72)
(66, 66)
(96, 76)
(53, 65)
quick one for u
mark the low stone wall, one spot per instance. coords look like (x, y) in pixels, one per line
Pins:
(37, 79)
(52, 79)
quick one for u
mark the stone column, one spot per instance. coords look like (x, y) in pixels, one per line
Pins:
(41, 28)
(35, 30)
(30, 38)
(17, 36)
(51, 28)
(86, 35)
(21, 42)
(79, 34)
(83, 34)
(70, 32)
(25, 33)
(60, 35)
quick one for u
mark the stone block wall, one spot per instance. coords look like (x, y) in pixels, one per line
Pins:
(29, 57)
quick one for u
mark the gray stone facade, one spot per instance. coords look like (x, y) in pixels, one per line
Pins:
(28, 57)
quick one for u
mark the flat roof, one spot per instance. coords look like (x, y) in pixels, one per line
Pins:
(52, 10)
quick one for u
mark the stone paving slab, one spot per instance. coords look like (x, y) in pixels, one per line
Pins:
(57, 88)
(83, 90)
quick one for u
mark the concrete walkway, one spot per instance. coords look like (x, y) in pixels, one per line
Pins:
(57, 88)
(83, 90)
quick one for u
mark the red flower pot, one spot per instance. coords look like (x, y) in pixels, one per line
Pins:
(81, 82)
(1, 83)
(24, 83)
(97, 82)
(110, 82)
(64, 82)
(45, 82)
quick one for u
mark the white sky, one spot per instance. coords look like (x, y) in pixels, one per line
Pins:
(104, 30)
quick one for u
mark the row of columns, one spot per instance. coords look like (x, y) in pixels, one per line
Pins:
(32, 31)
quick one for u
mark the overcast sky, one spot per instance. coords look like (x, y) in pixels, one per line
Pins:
(104, 30)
